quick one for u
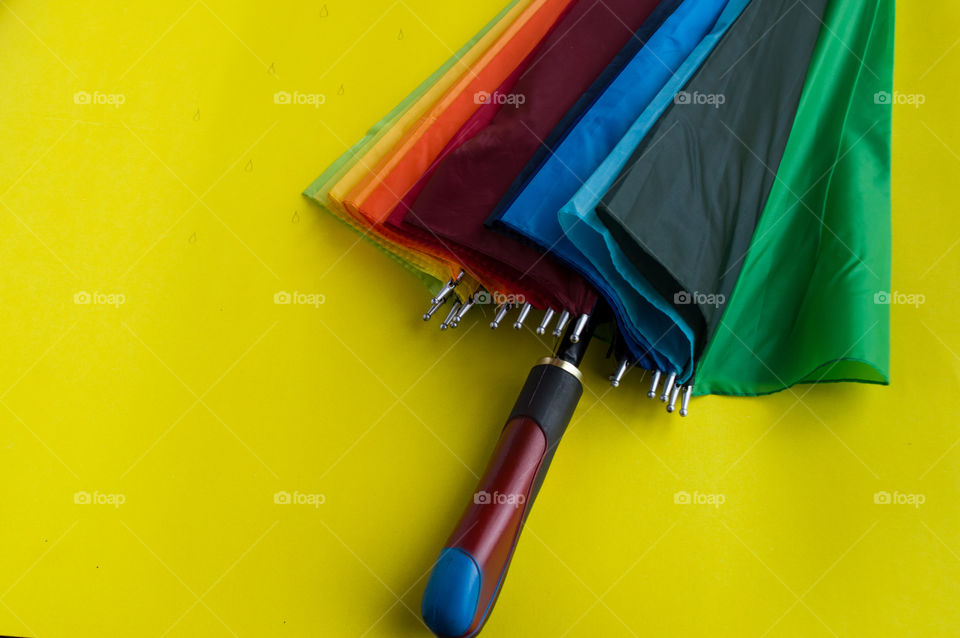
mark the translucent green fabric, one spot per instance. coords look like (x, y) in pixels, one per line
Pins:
(810, 302)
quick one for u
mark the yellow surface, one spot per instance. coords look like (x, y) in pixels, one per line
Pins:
(198, 398)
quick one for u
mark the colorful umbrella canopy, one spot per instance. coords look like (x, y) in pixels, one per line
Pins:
(595, 252)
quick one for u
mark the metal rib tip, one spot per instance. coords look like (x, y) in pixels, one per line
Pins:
(667, 385)
(442, 295)
(673, 398)
(617, 376)
(500, 314)
(450, 315)
(433, 309)
(463, 310)
(561, 323)
(578, 328)
(447, 288)
(685, 403)
(653, 384)
(547, 316)
(524, 311)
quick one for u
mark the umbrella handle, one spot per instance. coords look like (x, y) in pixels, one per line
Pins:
(467, 577)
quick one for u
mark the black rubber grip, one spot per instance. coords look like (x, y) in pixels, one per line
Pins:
(549, 397)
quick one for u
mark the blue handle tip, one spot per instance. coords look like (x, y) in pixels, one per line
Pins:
(450, 600)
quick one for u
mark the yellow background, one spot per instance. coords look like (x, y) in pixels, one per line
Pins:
(198, 398)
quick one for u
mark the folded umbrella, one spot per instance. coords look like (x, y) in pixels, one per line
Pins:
(806, 300)
(467, 577)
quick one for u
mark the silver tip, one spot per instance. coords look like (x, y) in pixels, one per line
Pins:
(447, 288)
(685, 403)
(500, 314)
(673, 398)
(667, 385)
(617, 376)
(442, 295)
(653, 384)
(578, 328)
(547, 316)
(433, 309)
(561, 323)
(463, 311)
(454, 309)
(524, 311)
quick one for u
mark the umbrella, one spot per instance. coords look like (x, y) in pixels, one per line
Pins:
(822, 317)
(566, 160)
(470, 181)
(806, 160)
(469, 573)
